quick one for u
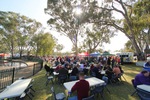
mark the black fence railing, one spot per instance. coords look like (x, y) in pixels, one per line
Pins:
(8, 76)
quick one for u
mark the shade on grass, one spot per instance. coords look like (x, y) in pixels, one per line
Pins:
(121, 91)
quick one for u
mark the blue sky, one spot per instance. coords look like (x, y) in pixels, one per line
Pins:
(35, 9)
(30, 8)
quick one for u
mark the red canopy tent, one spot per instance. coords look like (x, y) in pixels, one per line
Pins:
(83, 54)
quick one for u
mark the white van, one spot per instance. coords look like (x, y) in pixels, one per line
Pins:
(128, 57)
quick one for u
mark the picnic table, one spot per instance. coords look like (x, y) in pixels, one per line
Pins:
(144, 87)
(16, 89)
(55, 73)
(93, 81)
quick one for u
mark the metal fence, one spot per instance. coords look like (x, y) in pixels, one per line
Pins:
(8, 76)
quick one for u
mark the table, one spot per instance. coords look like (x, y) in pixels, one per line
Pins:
(55, 73)
(54, 68)
(87, 68)
(15, 89)
(93, 81)
(102, 72)
(144, 87)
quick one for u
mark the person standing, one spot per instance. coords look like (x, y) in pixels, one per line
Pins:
(109, 61)
(113, 62)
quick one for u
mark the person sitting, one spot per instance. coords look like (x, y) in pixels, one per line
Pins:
(62, 71)
(147, 65)
(96, 71)
(63, 74)
(82, 87)
(92, 66)
(81, 67)
(58, 67)
(116, 70)
(68, 67)
(48, 69)
(142, 78)
(109, 72)
(75, 71)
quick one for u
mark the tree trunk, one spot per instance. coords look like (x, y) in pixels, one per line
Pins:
(12, 49)
(76, 48)
(76, 45)
(20, 54)
(148, 37)
(137, 49)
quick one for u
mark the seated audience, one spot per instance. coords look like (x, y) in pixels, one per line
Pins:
(147, 64)
(142, 78)
(81, 67)
(116, 70)
(62, 71)
(58, 67)
(82, 87)
(92, 66)
(109, 72)
(96, 71)
(48, 69)
(68, 67)
(75, 71)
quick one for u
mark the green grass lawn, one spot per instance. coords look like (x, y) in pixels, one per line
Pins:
(121, 91)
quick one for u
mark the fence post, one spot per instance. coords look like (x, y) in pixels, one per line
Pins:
(13, 75)
(33, 69)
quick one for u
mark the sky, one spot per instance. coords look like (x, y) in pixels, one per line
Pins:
(35, 9)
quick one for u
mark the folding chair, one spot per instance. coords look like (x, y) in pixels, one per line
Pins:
(104, 78)
(73, 78)
(30, 86)
(58, 96)
(73, 98)
(134, 87)
(89, 98)
(62, 78)
(27, 92)
(144, 95)
(50, 78)
(123, 75)
(98, 90)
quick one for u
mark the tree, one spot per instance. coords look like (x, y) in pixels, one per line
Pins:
(28, 28)
(8, 28)
(59, 47)
(43, 44)
(17, 31)
(96, 37)
(127, 24)
(63, 19)
(129, 47)
(141, 21)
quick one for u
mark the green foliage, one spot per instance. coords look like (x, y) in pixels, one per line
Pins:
(59, 47)
(96, 37)
(140, 23)
(135, 22)
(64, 19)
(129, 47)
(17, 32)
(43, 44)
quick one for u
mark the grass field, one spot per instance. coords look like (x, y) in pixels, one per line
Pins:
(120, 91)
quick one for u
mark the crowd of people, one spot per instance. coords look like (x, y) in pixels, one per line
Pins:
(111, 66)
(91, 67)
